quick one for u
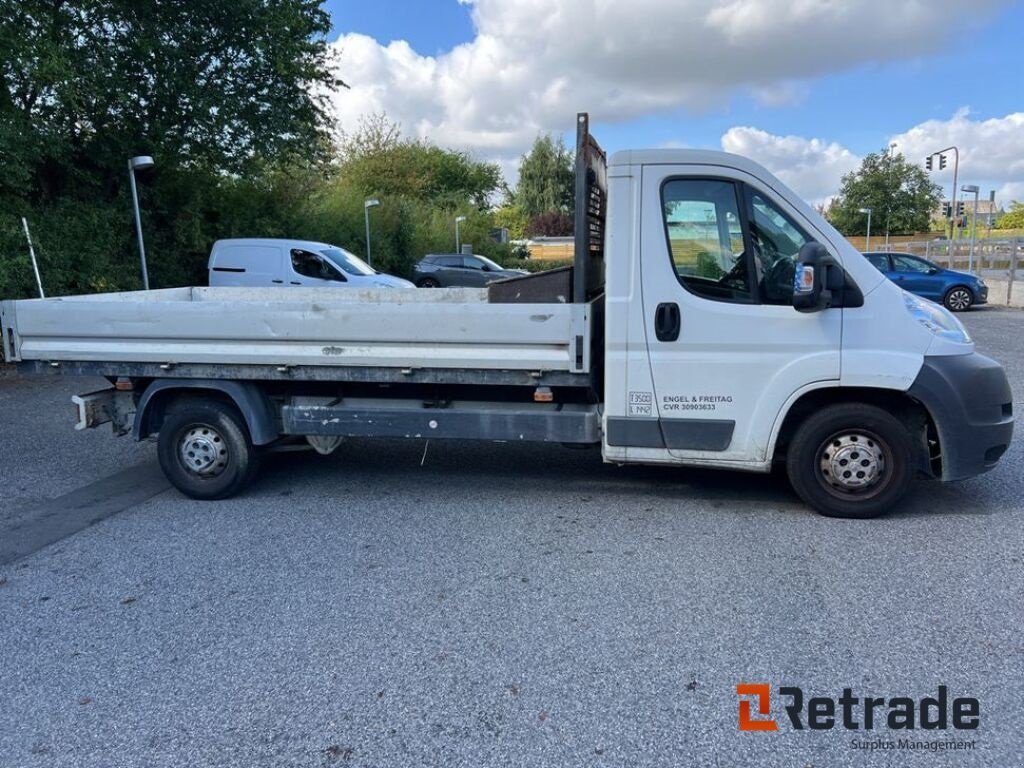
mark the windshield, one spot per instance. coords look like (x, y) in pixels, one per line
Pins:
(348, 262)
(493, 265)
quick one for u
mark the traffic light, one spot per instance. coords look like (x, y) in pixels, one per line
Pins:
(928, 162)
(960, 208)
(947, 209)
(942, 162)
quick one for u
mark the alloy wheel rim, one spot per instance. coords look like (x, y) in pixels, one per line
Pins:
(960, 299)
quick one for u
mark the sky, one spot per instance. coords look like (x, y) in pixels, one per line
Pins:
(805, 87)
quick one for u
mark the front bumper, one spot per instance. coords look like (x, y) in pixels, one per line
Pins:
(981, 294)
(970, 402)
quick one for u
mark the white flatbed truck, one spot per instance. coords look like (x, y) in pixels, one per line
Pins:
(711, 319)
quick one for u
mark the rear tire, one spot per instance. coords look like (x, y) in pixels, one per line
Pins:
(428, 282)
(205, 450)
(958, 299)
(852, 460)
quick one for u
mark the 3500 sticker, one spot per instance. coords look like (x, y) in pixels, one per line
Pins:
(640, 403)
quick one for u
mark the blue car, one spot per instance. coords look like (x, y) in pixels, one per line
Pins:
(958, 291)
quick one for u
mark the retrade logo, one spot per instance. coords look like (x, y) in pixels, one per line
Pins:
(761, 693)
(823, 713)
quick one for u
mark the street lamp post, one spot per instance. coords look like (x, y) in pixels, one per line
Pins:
(867, 241)
(969, 189)
(139, 163)
(458, 240)
(366, 216)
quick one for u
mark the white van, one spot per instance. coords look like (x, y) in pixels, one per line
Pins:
(263, 262)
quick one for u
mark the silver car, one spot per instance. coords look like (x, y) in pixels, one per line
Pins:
(444, 270)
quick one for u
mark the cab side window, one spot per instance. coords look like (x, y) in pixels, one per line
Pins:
(705, 238)
(470, 263)
(776, 241)
(313, 265)
(901, 263)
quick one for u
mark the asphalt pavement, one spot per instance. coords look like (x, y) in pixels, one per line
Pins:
(484, 605)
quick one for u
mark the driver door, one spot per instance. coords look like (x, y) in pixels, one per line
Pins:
(477, 273)
(726, 348)
(914, 275)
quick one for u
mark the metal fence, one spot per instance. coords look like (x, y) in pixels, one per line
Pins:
(995, 259)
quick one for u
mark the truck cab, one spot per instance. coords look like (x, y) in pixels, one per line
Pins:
(715, 356)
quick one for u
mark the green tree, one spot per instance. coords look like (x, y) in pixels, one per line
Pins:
(1013, 218)
(900, 195)
(215, 84)
(216, 91)
(512, 218)
(377, 159)
(546, 179)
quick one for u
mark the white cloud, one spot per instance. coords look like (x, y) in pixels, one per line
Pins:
(1007, 193)
(533, 63)
(991, 155)
(812, 167)
(991, 151)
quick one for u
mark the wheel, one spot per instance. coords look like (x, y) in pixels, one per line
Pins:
(958, 299)
(852, 460)
(204, 449)
(428, 282)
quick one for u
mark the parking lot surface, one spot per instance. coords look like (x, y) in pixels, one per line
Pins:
(487, 605)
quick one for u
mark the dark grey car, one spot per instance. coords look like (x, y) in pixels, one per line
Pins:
(444, 270)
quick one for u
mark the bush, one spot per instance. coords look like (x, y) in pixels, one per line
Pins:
(85, 234)
(550, 224)
(91, 247)
(80, 247)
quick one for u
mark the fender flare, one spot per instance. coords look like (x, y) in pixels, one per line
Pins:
(250, 400)
(787, 406)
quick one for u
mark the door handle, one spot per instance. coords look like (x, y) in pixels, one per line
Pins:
(667, 321)
(295, 282)
(279, 282)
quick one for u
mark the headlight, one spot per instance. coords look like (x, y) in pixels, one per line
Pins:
(936, 319)
(981, 282)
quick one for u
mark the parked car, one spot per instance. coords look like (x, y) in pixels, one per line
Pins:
(443, 270)
(958, 291)
(260, 262)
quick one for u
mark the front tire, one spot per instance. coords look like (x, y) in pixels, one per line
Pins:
(205, 450)
(852, 460)
(958, 299)
(428, 282)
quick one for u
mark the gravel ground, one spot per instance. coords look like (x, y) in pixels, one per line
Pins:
(499, 605)
(41, 454)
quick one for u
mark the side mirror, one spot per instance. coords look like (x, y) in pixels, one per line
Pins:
(933, 270)
(815, 278)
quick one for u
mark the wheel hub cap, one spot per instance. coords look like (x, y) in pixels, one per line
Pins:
(202, 451)
(852, 462)
(960, 299)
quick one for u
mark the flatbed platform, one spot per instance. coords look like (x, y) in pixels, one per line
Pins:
(301, 333)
